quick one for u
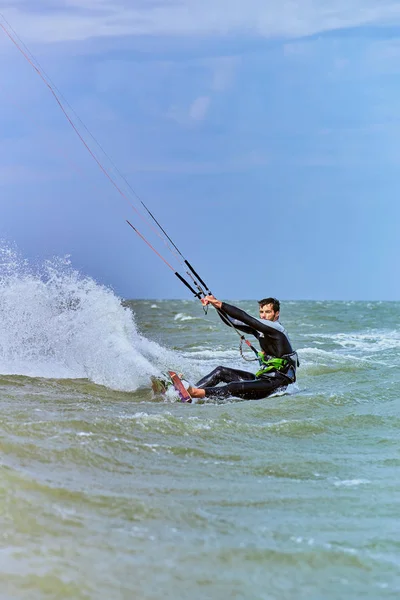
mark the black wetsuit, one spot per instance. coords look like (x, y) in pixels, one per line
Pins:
(274, 342)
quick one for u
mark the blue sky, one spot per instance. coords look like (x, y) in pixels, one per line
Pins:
(263, 134)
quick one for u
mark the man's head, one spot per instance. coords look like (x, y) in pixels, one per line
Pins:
(269, 309)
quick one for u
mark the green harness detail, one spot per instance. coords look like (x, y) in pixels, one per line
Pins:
(272, 364)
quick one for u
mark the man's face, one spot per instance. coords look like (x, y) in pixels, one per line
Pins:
(267, 312)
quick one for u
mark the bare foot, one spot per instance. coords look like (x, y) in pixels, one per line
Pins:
(196, 392)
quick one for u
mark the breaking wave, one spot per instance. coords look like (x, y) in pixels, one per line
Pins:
(57, 323)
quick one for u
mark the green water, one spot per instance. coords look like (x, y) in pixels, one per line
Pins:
(117, 494)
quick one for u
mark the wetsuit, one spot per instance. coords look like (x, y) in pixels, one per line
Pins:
(274, 342)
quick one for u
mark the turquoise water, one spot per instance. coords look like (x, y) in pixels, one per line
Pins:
(109, 492)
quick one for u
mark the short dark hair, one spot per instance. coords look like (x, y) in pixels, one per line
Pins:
(276, 305)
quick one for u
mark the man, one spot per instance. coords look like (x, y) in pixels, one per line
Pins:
(278, 360)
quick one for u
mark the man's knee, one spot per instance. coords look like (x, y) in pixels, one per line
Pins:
(218, 370)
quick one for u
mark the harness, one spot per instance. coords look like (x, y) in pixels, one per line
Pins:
(281, 365)
(271, 364)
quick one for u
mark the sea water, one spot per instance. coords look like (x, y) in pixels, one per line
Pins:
(109, 492)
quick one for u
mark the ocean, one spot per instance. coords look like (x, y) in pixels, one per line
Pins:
(109, 492)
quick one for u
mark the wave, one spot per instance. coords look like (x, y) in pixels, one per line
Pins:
(316, 361)
(183, 317)
(374, 340)
(57, 323)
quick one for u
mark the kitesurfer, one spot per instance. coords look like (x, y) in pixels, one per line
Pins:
(278, 361)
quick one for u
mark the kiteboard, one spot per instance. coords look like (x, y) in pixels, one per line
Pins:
(180, 388)
(160, 386)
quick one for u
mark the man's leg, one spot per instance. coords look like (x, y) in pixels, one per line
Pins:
(224, 375)
(255, 389)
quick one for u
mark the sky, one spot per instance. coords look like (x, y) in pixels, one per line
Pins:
(263, 135)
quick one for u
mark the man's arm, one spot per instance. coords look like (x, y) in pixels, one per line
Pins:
(234, 322)
(266, 327)
(229, 319)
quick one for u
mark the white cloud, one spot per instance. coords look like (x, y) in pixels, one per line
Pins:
(185, 115)
(199, 108)
(66, 20)
(224, 72)
(231, 164)
(12, 174)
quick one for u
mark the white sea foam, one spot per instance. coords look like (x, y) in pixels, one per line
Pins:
(309, 357)
(56, 323)
(213, 354)
(183, 317)
(351, 482)
(374, 340)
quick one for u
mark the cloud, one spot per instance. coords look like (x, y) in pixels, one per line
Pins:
(199, 108)
(185, 115)
(224, 72)
(233, 164)
(73, 20)
(14, 174)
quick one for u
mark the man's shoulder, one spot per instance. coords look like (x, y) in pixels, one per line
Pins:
(277, 325)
